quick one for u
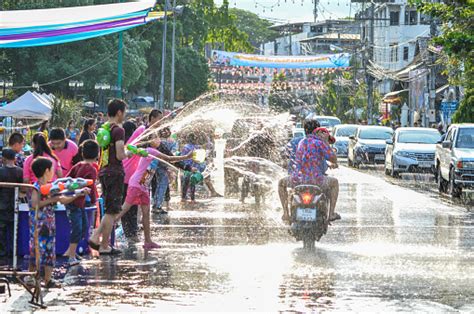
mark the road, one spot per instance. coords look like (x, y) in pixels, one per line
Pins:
(399, 246)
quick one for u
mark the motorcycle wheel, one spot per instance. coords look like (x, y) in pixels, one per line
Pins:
(309, 242)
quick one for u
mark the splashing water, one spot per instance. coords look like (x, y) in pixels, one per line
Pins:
(249, 135)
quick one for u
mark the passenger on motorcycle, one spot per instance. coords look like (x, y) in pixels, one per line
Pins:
(310, 164)
(284, 182)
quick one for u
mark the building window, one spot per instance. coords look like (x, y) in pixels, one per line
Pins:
(411, 17)
(405, 53)
(394, 18)
(394, 52)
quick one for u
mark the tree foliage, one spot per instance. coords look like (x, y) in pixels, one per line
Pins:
(202, 25)
(256, 28)
(457, 42)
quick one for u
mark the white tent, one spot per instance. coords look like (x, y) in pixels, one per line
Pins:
(28, 106)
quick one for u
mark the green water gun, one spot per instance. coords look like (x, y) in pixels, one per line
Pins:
(137, 151)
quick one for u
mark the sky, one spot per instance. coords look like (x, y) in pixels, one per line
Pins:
(295, 10)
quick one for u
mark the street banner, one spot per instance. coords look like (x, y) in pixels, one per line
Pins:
(29, 28)
(225, 58)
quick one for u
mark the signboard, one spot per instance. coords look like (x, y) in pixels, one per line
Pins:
(322, 61)
(448, 108)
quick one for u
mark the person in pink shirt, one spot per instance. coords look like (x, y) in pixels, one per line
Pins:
(139, 188)
(40, 149)
(130, 165)
(64, 149)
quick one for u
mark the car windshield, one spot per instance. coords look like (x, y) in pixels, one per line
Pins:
(419, 137)
(346, 131)
(328, 122)
(465, 138)
(375, 134)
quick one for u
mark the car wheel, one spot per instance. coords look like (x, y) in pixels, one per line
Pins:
(441, 182)
(454, 190)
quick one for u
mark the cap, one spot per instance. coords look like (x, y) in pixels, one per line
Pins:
(331, 138)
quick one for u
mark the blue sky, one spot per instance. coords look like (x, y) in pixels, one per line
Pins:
(295, 10)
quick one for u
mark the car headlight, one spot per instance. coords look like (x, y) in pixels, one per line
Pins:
(361, 147)
(402, 153)
(468, 164)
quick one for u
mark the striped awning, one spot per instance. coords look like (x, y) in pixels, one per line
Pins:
(29, 28)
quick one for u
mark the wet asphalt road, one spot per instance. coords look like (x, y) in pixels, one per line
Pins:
(397, 248)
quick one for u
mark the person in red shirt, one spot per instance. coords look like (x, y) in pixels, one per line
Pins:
(63, 148)
(76, 211)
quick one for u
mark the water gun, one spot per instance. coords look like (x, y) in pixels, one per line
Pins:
(137, 151)
(65, 186)
(103, 135)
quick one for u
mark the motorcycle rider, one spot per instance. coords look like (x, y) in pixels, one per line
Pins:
(310, 165)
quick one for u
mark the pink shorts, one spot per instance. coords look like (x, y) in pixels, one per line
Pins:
(136, 196)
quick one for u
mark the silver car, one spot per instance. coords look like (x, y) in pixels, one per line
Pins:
(341, 133)
(411, 150)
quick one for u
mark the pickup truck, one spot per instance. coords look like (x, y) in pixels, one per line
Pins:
(454, 160)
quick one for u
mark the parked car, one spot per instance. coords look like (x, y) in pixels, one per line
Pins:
(342, 132)
(367, 145)
(298, 132)
(328, 122)
(411, 150)
(455, 160)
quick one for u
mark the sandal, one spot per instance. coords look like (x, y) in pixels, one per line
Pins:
(113, 251)
(93, 245)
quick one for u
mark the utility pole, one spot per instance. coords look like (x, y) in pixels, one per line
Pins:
(315, 10)
(432, 82)
(163, 59)
(370, 79)
(173, 52)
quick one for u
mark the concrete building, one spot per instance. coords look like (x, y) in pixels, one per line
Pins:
(397, 27)
(300, 38)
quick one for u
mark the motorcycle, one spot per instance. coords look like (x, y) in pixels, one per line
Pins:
(309, 210)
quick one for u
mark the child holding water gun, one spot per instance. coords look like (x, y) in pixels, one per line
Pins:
(191, 178)
(85, 169)
(42, 168)
(138, 192)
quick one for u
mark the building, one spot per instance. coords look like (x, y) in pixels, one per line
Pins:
(311, 38)
(397, 28)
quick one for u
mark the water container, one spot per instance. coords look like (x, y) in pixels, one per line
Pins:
(199, 155)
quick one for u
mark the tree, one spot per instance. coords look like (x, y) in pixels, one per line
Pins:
(257, 29)
(457, 42)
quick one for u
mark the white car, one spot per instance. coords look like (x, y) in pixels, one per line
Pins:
(341, 133)
(411, 150)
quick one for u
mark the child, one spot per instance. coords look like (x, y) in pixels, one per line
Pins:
(14, 174)
(168, 147)
(16, 141)
(196, 170)
(85, 169)
(138, 192)
(43, 170)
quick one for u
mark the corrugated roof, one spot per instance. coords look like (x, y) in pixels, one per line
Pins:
(333, 36)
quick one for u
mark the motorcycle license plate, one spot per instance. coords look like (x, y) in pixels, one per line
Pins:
(379, 157)
(425, 164)
(306, 214)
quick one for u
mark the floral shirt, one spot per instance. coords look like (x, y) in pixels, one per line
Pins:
(310, 161)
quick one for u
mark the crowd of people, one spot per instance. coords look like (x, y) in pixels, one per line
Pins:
(132, 173)
(123, 177)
